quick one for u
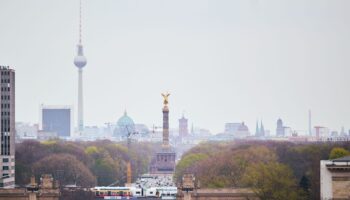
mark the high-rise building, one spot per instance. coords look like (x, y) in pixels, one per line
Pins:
(287, 131)
(280, 129)
(80, 62)
(342, 132)
(183, 127)
(7, 158)
(56, 119)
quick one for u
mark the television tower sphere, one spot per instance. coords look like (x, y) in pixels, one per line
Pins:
(80, 60)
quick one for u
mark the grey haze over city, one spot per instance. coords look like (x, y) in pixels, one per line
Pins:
(222, 61)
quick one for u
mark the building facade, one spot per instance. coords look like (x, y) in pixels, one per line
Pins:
(46, 190)
(57, 119)
(7, 158)
(335, 178)
(236, 130)
(242, 132)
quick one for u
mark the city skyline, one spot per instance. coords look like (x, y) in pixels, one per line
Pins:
(224, 62)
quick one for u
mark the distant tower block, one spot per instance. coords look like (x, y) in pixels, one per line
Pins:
(80, 62)
(183, 127)
(280, 129)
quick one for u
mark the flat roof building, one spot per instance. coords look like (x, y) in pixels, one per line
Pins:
(57, 119)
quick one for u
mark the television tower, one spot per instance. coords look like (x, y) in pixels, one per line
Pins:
(80, 62)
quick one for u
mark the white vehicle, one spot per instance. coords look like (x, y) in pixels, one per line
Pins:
(163, 192)
(167, 192)
(151, 192)
(136, 192)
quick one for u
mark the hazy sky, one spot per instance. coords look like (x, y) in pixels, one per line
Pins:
(222, 61)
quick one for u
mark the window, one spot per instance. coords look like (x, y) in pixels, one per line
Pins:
(5, 160)
(5, 168)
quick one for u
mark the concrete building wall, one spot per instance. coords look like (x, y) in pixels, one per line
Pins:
(218, 194)
(341, 186)
(45, 191)
(335, 179)
(326, 180)
(23, 194)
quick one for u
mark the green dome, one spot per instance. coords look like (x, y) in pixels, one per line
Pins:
(125, 120)
(125, 126)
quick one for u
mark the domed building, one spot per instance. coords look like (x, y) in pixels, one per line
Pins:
(242, 131)
(124, 126)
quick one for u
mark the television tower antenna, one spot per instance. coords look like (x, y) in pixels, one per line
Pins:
(80, 28)
(80, 62)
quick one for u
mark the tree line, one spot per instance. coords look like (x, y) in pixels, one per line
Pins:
(274, 170)
(84, 164)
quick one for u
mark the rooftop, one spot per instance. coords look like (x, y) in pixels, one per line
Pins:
(342, 159)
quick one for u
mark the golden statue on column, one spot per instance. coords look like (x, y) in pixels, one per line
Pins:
(165, 96)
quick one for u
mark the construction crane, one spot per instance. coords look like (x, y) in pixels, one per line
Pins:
(128, 164)
(154, 128)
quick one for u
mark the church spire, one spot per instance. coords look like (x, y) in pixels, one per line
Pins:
(257, 131)
(262, 130)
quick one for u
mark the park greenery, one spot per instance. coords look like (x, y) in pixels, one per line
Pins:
(273, 170)
(83, 164)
